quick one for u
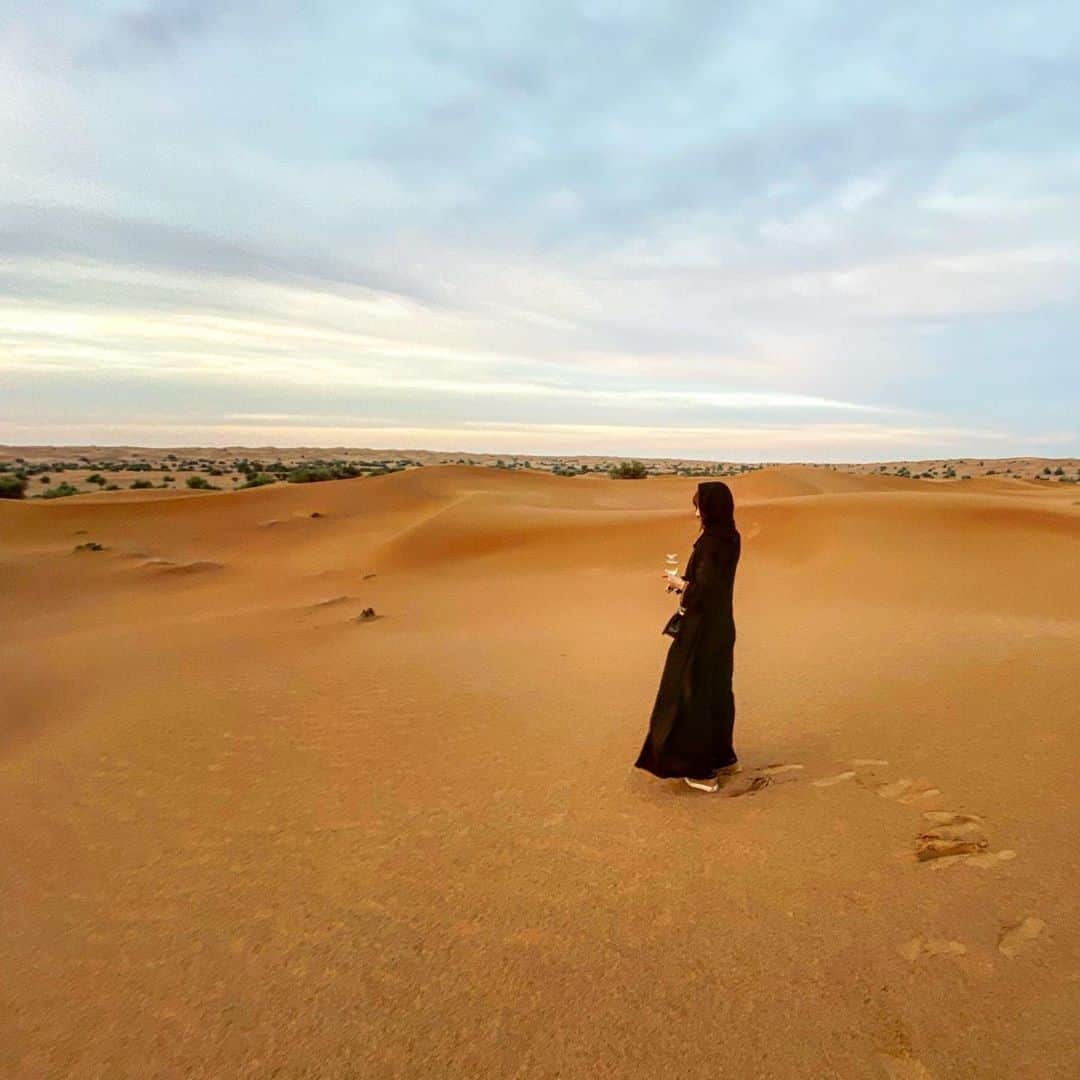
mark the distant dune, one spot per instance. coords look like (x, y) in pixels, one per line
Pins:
(248, 829)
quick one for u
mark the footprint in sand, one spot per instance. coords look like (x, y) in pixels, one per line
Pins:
(956, 838)
(959, 838)
(953, 837)
(918, 795)
(950, 817)
(905, 790)
(903, 1068)
(985, 859)
(829, 781)
(924, 946)
(746, 785)
(893, 790)
(1013, 938)
(847, 774)
(775, 773)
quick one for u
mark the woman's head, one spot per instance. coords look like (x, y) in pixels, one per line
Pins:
(715, 506)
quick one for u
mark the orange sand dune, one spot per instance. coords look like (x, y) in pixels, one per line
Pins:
(249, 833)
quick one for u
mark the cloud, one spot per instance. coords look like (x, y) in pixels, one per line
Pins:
(626, 211)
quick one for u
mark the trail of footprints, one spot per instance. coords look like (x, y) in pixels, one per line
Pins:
(947, 838)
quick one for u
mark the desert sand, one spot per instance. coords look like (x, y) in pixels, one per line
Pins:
(247, 832)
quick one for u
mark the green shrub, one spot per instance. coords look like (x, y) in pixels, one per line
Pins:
(44, 480)
(629, 470)
(61, 491)
(96, 478)
(141, 485)
(200, 483)
(310, 474)
(319, 471)
(259, 480)
(12, 487)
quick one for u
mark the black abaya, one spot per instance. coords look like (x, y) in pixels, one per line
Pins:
(693, 718)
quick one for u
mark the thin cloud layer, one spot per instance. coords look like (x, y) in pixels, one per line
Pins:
(759, 232)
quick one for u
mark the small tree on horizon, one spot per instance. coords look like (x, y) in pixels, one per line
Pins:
(629, 470)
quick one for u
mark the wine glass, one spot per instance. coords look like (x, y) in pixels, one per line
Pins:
(671, 568)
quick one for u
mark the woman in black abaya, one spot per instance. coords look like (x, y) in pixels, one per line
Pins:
(690, 731)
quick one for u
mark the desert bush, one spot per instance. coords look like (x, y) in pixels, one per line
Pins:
(319, 471)
(200, 483)
(629, 470)
(44, 480)
(310, 474)
(141, 485)
(90, 545)
(259, 480)
(12, 487)
(95, 478)
(61, 491)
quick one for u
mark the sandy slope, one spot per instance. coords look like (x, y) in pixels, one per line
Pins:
(246, 835)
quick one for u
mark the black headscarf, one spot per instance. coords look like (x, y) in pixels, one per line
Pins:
(717, 506)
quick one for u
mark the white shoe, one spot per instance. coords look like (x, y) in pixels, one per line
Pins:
(702, 785)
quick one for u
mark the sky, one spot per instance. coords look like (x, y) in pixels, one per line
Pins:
(780, 231)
